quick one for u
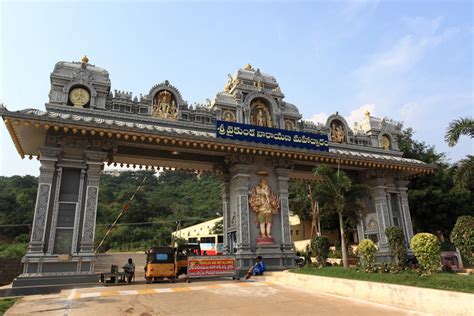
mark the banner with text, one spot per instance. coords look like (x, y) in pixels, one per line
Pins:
(211, 266)
(271, 136)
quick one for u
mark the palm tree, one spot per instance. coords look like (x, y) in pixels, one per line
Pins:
(464, 176)
(337, 193)
(461, 126)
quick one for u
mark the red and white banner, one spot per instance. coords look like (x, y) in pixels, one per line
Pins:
(211, 266)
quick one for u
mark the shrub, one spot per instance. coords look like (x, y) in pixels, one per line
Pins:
(13, 251)
(463, 237)
(320, 249)
(427, 250)
(396, 243)
(367, 250)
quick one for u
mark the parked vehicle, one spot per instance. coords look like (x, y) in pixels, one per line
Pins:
(161, 264)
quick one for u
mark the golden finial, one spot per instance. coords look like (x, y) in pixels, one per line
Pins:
(84, 59)
(248, 67)
(367, 113)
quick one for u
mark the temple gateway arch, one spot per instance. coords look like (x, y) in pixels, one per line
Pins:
(247, 134)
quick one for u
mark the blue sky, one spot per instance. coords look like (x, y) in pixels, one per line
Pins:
(411, 61)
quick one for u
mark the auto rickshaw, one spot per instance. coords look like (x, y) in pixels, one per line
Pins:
(160, 264)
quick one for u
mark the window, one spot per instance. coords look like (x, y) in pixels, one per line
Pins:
(208, 239)
(220, 239)
(297, 232)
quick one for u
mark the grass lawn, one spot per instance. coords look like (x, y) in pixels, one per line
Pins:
(441, 281)
(6, 303)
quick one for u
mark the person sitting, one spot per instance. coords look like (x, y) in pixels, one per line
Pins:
(129, 269)
(257, 269)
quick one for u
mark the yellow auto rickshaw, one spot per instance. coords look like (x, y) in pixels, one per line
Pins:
(160, 264)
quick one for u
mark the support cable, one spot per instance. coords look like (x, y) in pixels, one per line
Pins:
(124, 210)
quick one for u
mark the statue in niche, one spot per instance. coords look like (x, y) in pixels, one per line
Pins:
(228, 116)
(337, 132)
(261, 116)
(164, 105)
(385, 142)
(289, 125)
(264, 203)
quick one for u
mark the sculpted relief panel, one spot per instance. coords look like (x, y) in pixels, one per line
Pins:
(260, 114)
(264, 203)
(164, 105)
(337, 132)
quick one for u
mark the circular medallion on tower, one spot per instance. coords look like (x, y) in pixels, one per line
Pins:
(164, 105)
(79, 96)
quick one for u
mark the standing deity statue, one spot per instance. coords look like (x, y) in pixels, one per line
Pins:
(264, 203)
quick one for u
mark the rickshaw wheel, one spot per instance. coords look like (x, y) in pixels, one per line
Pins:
(148, 280)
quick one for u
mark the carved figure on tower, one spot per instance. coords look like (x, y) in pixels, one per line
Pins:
(164, 105)
(264, 203)
(337, 132)
(260, 114)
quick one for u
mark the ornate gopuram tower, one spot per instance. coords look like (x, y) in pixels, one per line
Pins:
(247, 135)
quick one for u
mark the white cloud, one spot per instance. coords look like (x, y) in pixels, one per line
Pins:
(385, 78)
(409, 111)
(359, 113)
(319, 118)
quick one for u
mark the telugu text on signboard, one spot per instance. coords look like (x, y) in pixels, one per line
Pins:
(271, 136)
(211, 266)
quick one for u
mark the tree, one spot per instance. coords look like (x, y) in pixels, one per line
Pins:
(218, 228)
(435, 200)
(464, 176)
(461, 126)
(340, 195)
(304, 203)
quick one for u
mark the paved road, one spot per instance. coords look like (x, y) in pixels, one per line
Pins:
(223, 297)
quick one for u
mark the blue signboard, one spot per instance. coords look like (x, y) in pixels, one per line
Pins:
(271, 136)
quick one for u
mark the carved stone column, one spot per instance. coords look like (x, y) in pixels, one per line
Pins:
(94, 167)
(239, 193)
(48, 159)
(282, 180)
(225, 187)
(381, 208)
(405, 209)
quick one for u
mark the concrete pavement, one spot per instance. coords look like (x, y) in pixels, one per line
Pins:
(220, 297)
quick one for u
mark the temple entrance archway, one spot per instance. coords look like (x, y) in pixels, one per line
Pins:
(248, 135)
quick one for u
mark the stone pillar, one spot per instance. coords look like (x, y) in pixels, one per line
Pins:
(225, 187)
(379, 195)
(287, 256)
(282, 180)
(240, 189)
(94, 167)
(62, 240)
(48, 158)
(405, 210)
